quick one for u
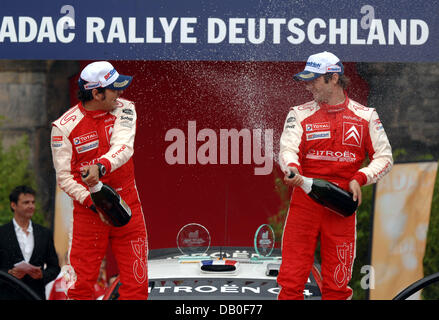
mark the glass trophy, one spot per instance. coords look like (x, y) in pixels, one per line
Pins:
(264, 242)
(193, 241)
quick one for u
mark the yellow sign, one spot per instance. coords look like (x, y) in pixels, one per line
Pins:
(63, 224)
(401, 219)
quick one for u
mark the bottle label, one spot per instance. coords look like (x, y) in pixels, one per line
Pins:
(96, 188)
(125, 206)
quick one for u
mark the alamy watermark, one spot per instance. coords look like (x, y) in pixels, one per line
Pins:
(256, 146)
(368, 280)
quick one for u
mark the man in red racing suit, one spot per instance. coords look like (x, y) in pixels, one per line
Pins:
(97, 135)
(326, 138)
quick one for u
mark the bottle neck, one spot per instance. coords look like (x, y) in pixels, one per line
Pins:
(96, 188)
(307, 184)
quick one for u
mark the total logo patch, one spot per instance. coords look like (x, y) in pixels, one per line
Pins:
(352, 134)
(88, 146)
(317, 126)
(318, 135)
(85, 138)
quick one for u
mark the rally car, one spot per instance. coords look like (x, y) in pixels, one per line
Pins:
(222, 274)
(195, 271)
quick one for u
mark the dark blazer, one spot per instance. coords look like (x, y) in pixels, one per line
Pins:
(44, 255)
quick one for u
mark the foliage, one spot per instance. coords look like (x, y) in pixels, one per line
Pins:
(362, 258)
(15, 170)
(364, 225)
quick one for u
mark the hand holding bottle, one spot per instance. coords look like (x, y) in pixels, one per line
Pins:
(295, 181)
(90, 175)
(327, 193)
(355, 188)
(111, 208)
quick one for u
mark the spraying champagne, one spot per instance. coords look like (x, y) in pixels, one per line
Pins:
(329, 195)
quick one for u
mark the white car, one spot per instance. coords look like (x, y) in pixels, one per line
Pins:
(199, 272)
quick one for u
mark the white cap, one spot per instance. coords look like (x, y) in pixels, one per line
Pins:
(318, 64)
(102, 74)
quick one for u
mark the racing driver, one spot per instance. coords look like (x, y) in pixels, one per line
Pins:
(97, 136)
(326, 138)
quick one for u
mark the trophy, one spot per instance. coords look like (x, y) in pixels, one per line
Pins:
(193, 241)
(264, 242)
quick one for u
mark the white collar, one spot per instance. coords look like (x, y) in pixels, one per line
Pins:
(18, 228)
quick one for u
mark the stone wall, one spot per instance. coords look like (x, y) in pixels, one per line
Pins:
(407, 99)
(32, 95)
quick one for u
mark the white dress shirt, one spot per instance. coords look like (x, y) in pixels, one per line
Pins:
(26, 241)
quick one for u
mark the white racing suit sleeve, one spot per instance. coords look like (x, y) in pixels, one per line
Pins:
(62, 158)
(380, 152)
(290, 142)
(122, 137)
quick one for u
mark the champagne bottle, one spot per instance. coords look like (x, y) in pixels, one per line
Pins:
(110, 204)
(329, 195)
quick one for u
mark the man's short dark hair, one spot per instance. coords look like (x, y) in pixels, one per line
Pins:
(86, 95)
(15, 194)
(343, 81)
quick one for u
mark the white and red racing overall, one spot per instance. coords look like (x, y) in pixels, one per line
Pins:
(81, 138)
(328, 142)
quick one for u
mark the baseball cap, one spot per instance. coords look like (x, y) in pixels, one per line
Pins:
(318, 64)
(102, 74)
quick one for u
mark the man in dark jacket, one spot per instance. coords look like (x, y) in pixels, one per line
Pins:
(27, 251)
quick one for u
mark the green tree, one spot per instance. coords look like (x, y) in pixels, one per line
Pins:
(15, 170)
(362, 256)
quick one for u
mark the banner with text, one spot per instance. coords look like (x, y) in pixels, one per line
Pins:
(228, 30)
(401, 219)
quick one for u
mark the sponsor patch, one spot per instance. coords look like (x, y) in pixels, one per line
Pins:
(88, 146)
(378, 125)
(352, 134)
(91, 85)
(330, 155)
(317, 126)
(351, 118)
(318, 135)
(128, 111)
(85, 138)
(334, 68)
(110, 74)
(56, 138)
(313, 64)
